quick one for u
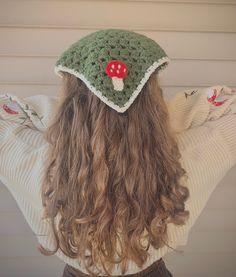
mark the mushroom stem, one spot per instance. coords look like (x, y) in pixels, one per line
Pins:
(118, 83)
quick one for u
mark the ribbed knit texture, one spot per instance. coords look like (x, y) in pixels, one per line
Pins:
(206, 136)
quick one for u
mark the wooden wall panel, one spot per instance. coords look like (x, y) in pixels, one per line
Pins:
(50, 42)
(115, 14)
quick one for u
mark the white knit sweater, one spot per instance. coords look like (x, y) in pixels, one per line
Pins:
(206, 136)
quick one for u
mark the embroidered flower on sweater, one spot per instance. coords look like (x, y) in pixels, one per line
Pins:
(32, 112)
(11, 108)
(14, 107)
(214, 99)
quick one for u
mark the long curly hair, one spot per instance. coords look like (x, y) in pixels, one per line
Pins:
(111, 176)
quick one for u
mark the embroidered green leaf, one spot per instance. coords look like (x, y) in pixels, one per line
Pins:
(23, 121)
(26, 106)
(193, 92)
(22, 117)
(34, 113)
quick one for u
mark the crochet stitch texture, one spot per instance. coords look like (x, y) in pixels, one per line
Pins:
(89, 57)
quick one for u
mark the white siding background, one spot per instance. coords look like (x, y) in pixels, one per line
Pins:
(199, 37)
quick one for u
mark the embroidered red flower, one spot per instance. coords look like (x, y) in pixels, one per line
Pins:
(11, 108)
(212, 97)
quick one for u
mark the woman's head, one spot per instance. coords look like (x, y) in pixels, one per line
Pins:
(114, 64)
(111, 176)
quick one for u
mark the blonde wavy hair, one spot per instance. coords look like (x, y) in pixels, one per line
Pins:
(110, 176)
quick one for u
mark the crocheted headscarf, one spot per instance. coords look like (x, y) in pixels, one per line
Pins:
(114, 64)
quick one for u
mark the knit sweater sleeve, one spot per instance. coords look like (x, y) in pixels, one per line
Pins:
(23, 153)
(214, 107)
(207, 157)
(206, 137)
(23, 148)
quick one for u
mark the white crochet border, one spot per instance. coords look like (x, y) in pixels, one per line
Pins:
(98, 93)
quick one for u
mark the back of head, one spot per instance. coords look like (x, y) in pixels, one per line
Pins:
(112, 176)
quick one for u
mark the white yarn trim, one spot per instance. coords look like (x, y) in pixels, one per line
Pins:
(98, 93)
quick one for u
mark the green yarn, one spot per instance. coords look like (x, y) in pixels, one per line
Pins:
(88, 58)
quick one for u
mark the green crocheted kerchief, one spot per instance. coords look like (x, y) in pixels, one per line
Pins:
(114, 64)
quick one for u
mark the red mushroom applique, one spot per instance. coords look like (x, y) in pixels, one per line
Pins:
(212, 97)
(117, 70)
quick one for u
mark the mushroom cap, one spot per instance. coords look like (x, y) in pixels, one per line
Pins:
(117, 68)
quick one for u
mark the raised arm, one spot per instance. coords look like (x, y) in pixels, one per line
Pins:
(207, 143)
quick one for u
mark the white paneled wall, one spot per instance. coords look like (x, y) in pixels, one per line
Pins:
(200, 39)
